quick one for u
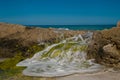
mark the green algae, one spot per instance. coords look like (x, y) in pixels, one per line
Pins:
(11, 62)
(8, 67)
(64, 46)
(56, 53)
(51, 50)
(34, 49)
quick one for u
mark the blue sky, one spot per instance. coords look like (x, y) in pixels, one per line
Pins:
(55, 12)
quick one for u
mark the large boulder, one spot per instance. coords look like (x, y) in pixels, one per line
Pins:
(105, 47)
(111, 49)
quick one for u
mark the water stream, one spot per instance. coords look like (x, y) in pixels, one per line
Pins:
(63, 58)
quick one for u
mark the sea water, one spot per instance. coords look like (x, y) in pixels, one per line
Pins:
(75, 27)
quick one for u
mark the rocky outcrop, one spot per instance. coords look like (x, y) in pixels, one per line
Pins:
(17, 38)
(105, 47)
(111, 50)
(27, 35)
(9, 29)
(118, 24)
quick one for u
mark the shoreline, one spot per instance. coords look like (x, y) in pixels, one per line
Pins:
(74, 27)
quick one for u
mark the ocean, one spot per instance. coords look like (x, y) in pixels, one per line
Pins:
(75, 27)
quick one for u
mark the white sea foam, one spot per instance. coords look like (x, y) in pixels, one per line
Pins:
(64, 58)
(63, 28)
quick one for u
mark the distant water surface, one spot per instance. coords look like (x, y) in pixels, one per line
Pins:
(75, 27)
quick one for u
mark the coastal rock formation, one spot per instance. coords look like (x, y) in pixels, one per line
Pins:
(105, 47)
(28, 35)
(111, 50)
(118, 24)
(9, 29)
(17, 38)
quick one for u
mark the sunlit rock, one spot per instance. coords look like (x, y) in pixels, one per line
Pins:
(118, 24)
(111, 50)
(105, 47)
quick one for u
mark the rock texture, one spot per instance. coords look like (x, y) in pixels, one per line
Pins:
(118, 24)
(111, 50)
(29, 34)
(15, 37)
(105, 47)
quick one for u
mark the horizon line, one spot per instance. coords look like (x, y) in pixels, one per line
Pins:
(55, 24)
(64, 24)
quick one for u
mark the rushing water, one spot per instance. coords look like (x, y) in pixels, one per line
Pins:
(64, 58)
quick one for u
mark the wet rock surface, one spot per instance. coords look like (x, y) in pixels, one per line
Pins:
(105, 47)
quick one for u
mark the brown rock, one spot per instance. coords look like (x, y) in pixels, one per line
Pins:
(105, 47)
(118, 24)
(111, 50)
(12, 35)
